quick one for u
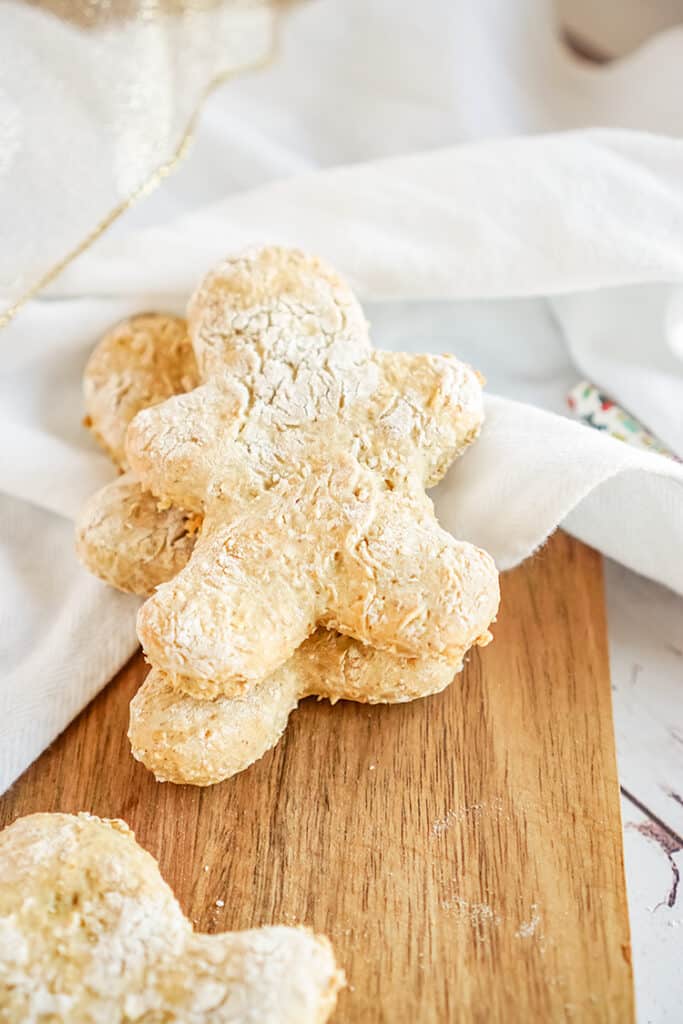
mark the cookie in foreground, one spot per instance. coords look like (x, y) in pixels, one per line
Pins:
(89, 931)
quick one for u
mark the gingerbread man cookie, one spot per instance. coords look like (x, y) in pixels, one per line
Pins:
(127, 538)
(89, 931)
(307, 453)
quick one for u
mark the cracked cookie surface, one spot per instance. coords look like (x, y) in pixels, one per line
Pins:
(307, 454)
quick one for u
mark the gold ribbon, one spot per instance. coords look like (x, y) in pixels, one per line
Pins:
(64, 9)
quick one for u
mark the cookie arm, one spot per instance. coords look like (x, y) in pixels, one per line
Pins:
(174, 448)
(428, 408)
(274, 975)
(139, 362)
(413, 589)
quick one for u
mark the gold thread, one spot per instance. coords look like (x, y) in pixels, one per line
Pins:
(155, 179)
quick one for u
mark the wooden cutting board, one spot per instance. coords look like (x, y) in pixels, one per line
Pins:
(463, 852)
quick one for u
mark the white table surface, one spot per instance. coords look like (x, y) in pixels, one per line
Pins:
(646, 654)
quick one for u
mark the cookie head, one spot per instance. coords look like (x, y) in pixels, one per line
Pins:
(277, 305)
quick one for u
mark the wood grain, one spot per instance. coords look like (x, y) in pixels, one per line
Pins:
(463, 852)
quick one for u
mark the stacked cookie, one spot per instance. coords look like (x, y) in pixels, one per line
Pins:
(273, 504)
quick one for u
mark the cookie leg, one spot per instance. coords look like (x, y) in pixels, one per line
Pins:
(236, 613)
(200, 742)
(412, 588)
(340, 668)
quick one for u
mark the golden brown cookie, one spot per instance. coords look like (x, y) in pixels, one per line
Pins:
(127, 538)
(134, 545)
(89, 931)
(307, 454)
(139, 362)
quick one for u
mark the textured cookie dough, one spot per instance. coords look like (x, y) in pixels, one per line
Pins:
(307, 454)
(90, 932)
(139, 362)
(127, 538)
(200, 742)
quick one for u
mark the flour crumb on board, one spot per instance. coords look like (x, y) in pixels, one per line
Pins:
(220, 903)
(479, 915)
(467, 811)
(441, 825)
(528, 928)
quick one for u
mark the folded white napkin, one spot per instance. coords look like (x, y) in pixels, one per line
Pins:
(535, 259)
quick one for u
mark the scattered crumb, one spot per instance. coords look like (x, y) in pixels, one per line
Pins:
(371, 767)
(220, 903)
(441, 825)
(479, 915)
(528, 928)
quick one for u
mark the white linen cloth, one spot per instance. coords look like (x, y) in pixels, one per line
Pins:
(539, 260)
